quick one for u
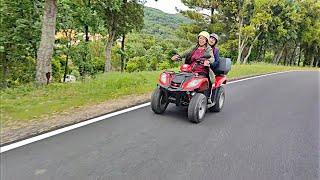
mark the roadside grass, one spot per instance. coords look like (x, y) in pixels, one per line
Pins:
(239, 71)
(28, 102)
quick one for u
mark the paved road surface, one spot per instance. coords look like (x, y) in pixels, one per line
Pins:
(268, 130)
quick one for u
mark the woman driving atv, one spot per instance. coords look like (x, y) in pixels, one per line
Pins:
(201, 50)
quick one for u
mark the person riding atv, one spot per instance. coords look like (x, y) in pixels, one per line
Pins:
(202, 49)
(213, 40)
(191, 86)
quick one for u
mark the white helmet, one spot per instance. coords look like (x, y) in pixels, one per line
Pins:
(215, 36)
(205, 34)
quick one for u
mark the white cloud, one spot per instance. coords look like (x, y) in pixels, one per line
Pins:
(168, 6)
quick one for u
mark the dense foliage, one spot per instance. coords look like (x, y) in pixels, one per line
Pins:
(96, 36)
(274, 31)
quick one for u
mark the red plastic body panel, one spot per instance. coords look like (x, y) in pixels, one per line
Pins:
(219, 80)
(201, 86)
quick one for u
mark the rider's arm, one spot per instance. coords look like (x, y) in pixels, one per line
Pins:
(209, 53)
(216, 58)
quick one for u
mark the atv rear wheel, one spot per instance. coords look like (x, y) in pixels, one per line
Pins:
(197, 108)
(220, 98)
(159, 101)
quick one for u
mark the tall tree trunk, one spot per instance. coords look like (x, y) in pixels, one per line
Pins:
(86, 31)
(293, 57)
(306, 56)
(86, 52)
(285, 57)
(66, 69)
(300, 52)
(260, 46)
(67, 54)
(122, 54)
(87, 38)
(86, 26)
(111, 37)
(312, 60)
(45, 50)
(240, 49)
(245, 60)
(278, 55)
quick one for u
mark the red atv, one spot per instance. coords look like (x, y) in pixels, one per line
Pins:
(187, 88)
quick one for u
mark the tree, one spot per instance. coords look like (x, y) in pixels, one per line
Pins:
(66, 30)
(211, 5)
(201, 21)
(118, 18)
(310, 35)
(258, 24)
(45, 51)
(19, 37)
(231, 12)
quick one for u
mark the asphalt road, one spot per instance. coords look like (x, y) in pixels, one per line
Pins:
(268, 130)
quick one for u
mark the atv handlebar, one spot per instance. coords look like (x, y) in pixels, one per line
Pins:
(201, 61)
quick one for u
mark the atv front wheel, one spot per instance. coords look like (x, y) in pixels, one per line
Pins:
(159, 101)
(197, 108)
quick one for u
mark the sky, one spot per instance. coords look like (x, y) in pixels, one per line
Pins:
(168, 6)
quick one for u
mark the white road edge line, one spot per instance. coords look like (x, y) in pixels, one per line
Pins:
(259, 76)
(90, 121)
(68, 128)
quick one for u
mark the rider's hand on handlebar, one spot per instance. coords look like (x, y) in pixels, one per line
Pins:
(206, 63)
(175, 57)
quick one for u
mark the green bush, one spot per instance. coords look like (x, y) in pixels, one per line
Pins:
(137, 64)
(228, 49)
(20, 71)
(268, 57)
(135, 49)
(82, 58)
(98, 64)
(57, 69)
(164, 65)
(97, 54)
(116, 57)
(154, 56)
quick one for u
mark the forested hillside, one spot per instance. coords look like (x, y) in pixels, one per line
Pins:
(159, 23)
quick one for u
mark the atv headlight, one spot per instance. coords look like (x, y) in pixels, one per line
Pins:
(193, 83)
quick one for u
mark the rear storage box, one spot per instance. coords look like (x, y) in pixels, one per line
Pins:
(224, 66)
